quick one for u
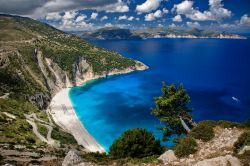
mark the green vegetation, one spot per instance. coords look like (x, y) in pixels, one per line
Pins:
(171, 108)
(185, 147)
(135, 143)
(243, 140)
(63, 137)
(204, 131)
(42, 129)
(247, 123)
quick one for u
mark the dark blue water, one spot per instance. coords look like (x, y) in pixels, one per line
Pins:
(213, 71)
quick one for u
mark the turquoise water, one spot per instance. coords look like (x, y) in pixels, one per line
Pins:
(214, 72)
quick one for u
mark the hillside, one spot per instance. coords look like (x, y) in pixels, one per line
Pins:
(116, 33)
(37, 61)
(111, 34)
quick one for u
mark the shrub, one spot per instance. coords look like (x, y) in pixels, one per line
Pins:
(228, 124)
(204, 131)
(186, 147)
(247, 123)
(242, 141)
(135, 143)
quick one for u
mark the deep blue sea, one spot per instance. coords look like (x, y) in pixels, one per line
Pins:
(216, 74)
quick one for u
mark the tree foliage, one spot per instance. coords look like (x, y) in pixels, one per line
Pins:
(186, 147)
(171, 107)
(135, 143)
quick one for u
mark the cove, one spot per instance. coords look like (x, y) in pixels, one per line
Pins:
(215, 73)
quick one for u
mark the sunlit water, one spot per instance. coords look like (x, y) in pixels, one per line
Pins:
(216, 74)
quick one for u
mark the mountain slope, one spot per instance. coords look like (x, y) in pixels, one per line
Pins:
(37, 61)
(111, 34)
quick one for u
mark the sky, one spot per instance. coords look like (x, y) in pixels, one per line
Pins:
(85, 15)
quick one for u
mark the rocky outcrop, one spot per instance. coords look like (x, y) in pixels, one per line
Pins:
(227, 160)
(72, 158)
(41, 100)
(168, 157)
(83, 72)
(216, 152)
(244, 149)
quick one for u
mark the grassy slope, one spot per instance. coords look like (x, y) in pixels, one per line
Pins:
(21, 77)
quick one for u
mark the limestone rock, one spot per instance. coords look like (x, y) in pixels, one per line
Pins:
(244, 149)
(168, 157)
(72, 158)
(227, 160)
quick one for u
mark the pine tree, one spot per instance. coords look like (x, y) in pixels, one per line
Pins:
(172, 110)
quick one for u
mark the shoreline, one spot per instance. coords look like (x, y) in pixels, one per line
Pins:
(62, 111)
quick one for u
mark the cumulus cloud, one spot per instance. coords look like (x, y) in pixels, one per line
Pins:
(120, 7)
(81, 18)
(93, 16)
(245, 20)
(124, 17)
(109, 25)
(131, 18)
(165, 11)
(193, 25)
(177, 18)
(148, 6)
(53, 16)
(38, 8)
(104, 18)
(172, 25)
(153, 16)
(216, 11)
(69, 15)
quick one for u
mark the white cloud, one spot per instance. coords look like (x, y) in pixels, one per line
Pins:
(119, 7)
(93, 16)
(53, 16)
(172, 25)
(131, 18)
(165, 11)
(177, 18)
(153, 16)
(73, 25)
(124, 17)
(137, 19)
(160, 25)
(193, 25)
(69, 15)
(184, 7)
(104, 18)
(245, 20)
(148, 6)
(81, 18)
(108, 25)
(216, 11)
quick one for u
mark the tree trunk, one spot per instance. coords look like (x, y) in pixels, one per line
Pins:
(185, 126)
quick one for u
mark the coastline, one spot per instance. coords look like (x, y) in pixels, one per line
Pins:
(62, 111)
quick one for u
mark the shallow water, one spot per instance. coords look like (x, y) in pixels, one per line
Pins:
(216, 74)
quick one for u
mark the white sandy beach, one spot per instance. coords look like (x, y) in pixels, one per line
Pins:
(64, 115)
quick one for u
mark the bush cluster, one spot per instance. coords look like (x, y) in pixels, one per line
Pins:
(243, 140)
(185, 147)
(204, 131)
(135, 143)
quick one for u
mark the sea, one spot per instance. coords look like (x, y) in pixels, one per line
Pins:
(215, 73)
